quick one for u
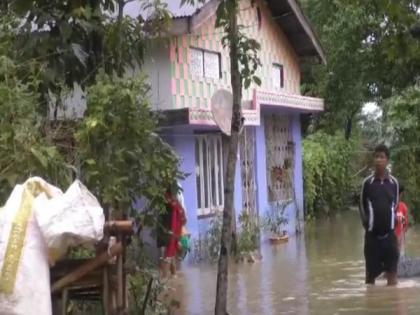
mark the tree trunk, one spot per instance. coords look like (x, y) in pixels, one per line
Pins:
(227, 230)
(349, 128)
(4, 6)
(119, 66)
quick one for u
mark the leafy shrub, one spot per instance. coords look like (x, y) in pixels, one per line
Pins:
(122, 157)
(275, 219)
(328, 173)
(403, 129)
(25, 150)
(248, 236)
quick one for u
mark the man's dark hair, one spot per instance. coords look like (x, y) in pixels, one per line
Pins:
(382, 148)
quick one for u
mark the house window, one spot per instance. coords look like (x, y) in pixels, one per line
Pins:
(278, 76)
(205, 64)
(280, 155)
(209, 173)
(259, 18)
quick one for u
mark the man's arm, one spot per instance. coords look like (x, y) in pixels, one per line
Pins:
(363, 207)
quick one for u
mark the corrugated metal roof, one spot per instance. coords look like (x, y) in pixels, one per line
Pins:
(134, 8)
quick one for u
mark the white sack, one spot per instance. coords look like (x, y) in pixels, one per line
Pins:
(71, 219)
(24, 269)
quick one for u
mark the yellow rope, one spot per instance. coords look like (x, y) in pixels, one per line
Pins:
(17, 237)
(15, 244)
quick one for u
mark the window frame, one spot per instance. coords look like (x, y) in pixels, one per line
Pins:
(203, 52)
(209, 171)
(259, 18)
(281, 67)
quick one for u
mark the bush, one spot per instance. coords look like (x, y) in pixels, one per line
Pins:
(121, 155)
(275, 220)
(403, 129)
(25, 150)
(329, 181)
(248, 236)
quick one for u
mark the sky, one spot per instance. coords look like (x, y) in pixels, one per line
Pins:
(133, 8)
(371, 108)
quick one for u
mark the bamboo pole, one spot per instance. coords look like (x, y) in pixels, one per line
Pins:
(89, 266)
(120, 271)
(105, 291)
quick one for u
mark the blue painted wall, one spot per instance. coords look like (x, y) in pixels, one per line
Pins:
(183, 141)
(262, 191)
(297, 137)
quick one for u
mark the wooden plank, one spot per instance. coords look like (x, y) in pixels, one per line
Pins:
(105, 291)
(125, 227)
(64, 301)
(120, 271)
(87, 268)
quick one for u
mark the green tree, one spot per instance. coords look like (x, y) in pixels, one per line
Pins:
(74, 41)
(403, 130)
(244, 63)
(77, 38)
(24, 148)
(46, 46)
(371, 55)
(122, 156)
(330, 163)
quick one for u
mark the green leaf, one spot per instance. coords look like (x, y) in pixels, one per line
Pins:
(90, 162)
(40, 157)
(80, 54)
(21, 6)
(257, 80)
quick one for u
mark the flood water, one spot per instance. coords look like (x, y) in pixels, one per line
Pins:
(321, 272)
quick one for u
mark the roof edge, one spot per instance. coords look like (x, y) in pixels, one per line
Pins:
(297, 10)
(188, 24)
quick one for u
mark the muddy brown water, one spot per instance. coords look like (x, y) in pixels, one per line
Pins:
(321, 272)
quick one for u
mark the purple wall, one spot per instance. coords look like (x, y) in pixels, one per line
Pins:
(297, 137)
(182, 139)
(262, 197)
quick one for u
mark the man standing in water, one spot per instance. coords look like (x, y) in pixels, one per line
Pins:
(378, 202)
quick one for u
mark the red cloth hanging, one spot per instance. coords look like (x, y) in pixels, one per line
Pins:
(177, 222)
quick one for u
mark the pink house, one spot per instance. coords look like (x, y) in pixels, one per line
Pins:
(193, 65)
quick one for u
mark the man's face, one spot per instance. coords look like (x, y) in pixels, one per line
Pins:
(381, 161)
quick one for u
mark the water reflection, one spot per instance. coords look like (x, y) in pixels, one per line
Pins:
(321, 273)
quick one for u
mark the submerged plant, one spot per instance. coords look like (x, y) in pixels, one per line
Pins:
(275, 219)
(248, 236)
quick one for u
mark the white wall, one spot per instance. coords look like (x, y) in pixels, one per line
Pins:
(73, 105)
(158, 68)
